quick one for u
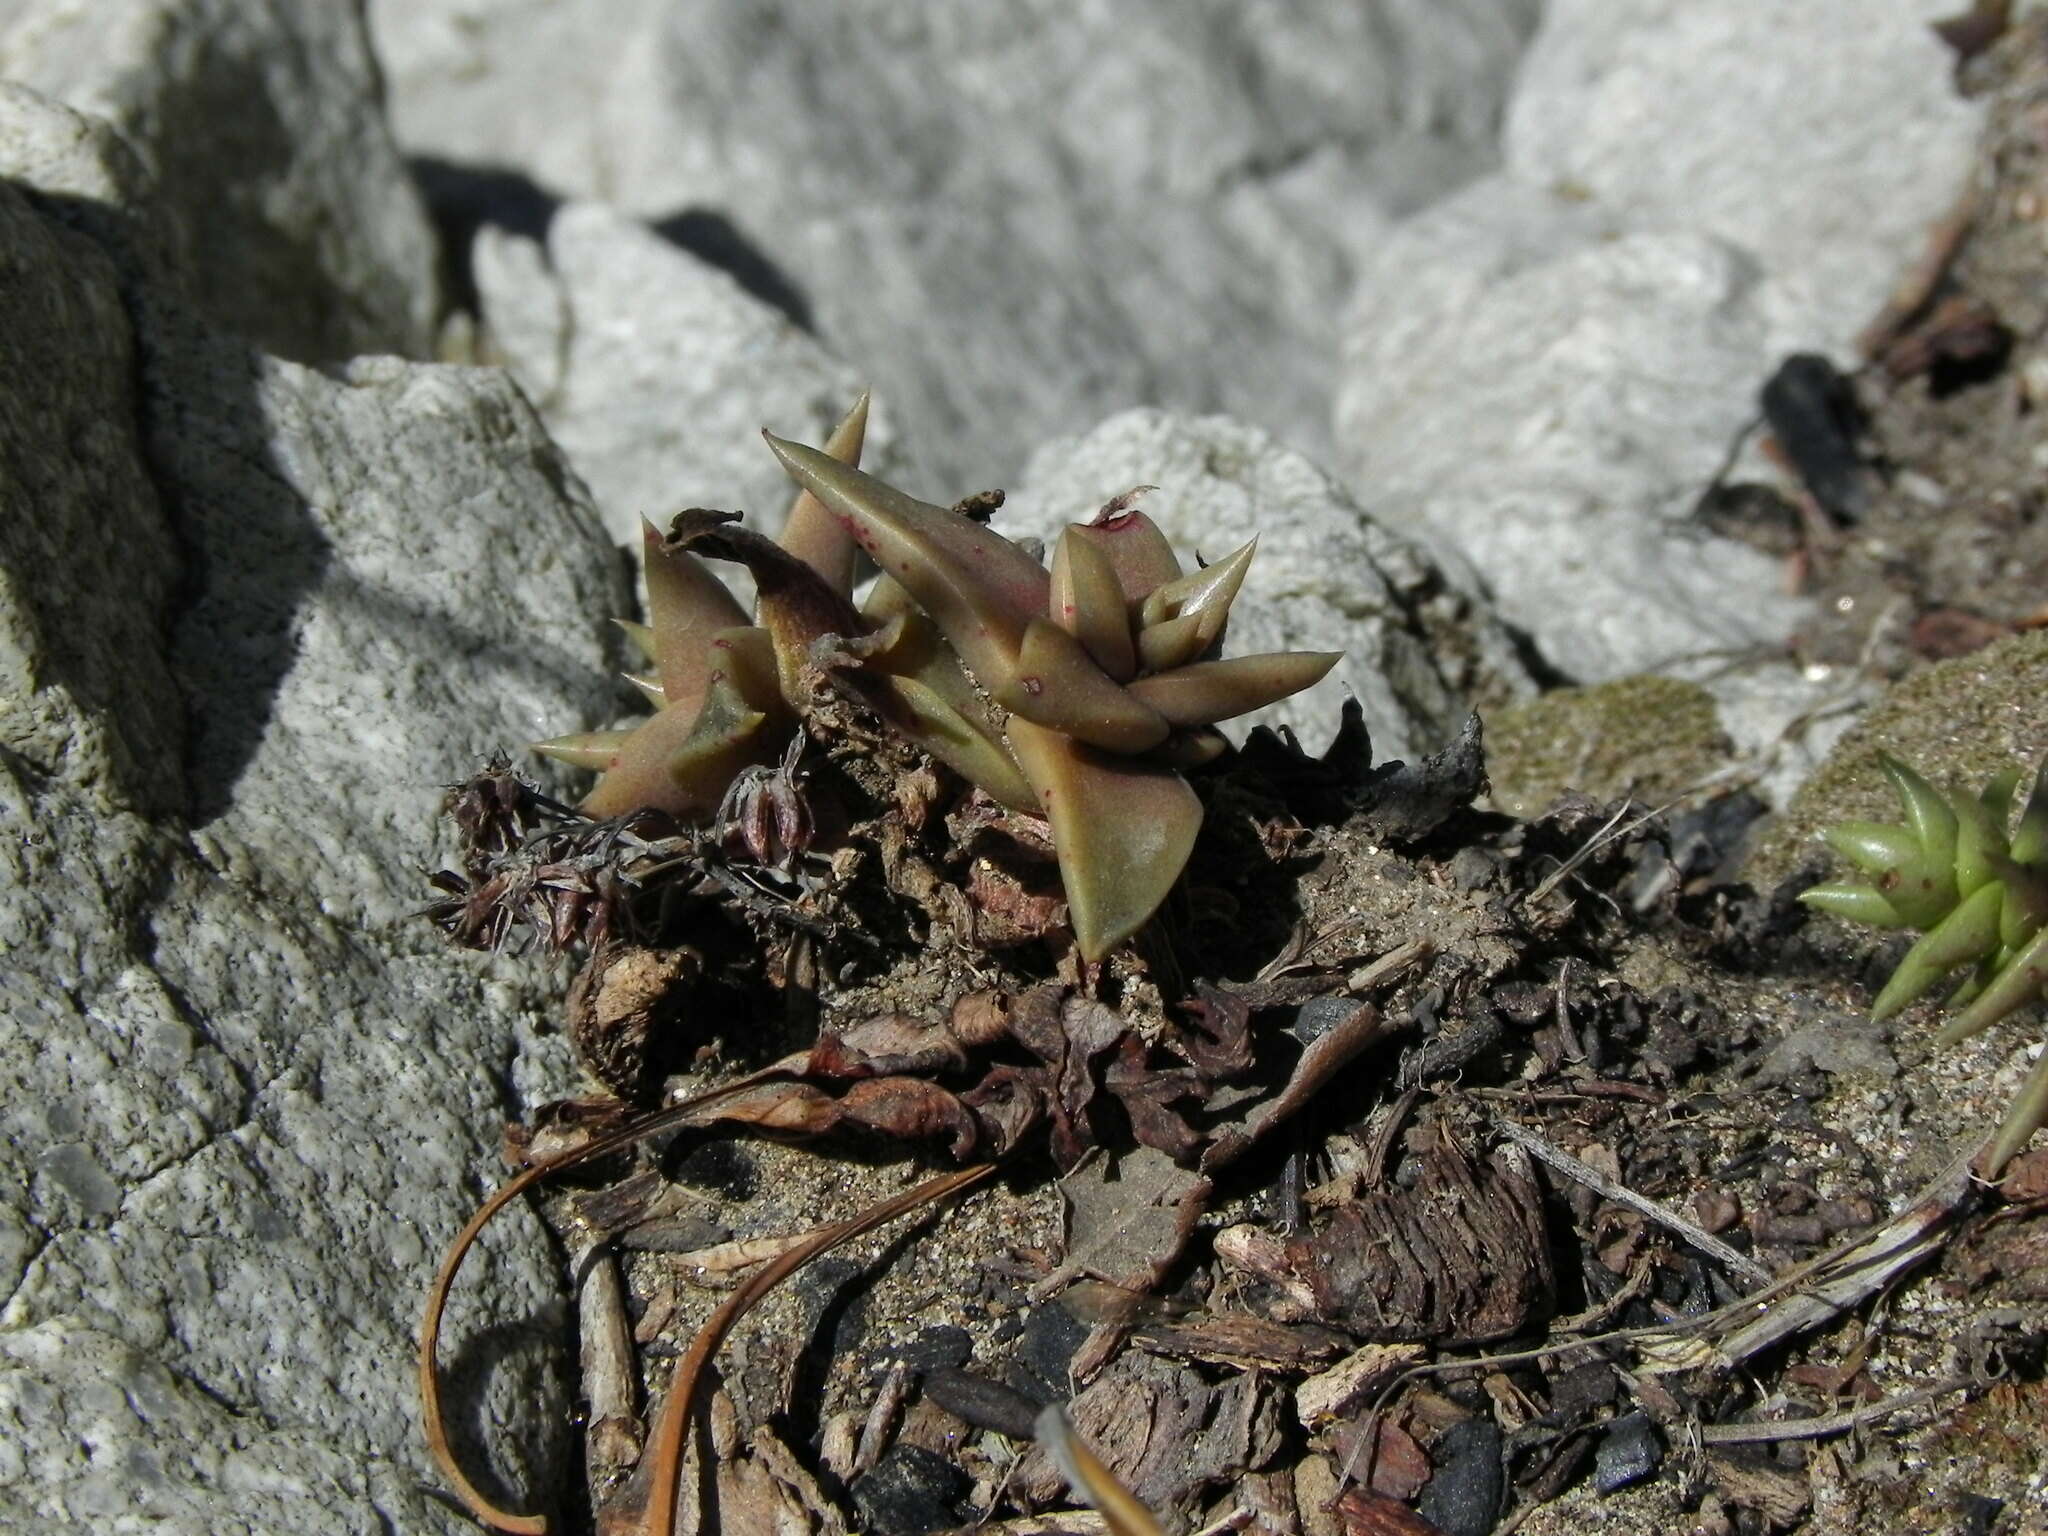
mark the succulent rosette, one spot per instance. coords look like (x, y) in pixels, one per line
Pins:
(1979, 896)
(1076, 693)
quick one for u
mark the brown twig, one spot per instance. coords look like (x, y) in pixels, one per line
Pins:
(1572, 1168)
(671, 1430)
(1824, 1425)
(432, 1418)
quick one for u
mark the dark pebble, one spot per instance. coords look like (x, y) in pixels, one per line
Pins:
(1464, 1498)
(1628, 1453)
(722, 1167)
(936, 1348)
(909, 1492)
(1044, 1351)
(983, 1403)
(1318, 1016)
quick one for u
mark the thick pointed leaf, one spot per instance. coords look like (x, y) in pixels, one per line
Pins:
(641, 636)
(2028, 1114)
(1208, 592)
(2030, 837)
(950, 734)
(1857, 903)
(685, 603)
(1875, 847)
(1135, 548)
(1980, 835)
(1087, 602)
(2019, 981)
(814, 535)
(1122, 831)
(729, 735)
(584, 749)
(1058, 686)
(1928, 812)
(1209, 691)
(929, 697)
(1962, 938)
(979, 588)
(648, 686)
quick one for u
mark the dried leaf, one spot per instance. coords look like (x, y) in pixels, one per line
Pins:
(1127, 1219)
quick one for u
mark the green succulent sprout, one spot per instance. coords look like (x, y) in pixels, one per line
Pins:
(1076, 693)
(1978, 895)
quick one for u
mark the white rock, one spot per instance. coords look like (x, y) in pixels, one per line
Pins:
(1545, 371)
(1822, 138)
(1419, 650)
(264, 130)
(656, 373)
(259, 616)
(1013, 220)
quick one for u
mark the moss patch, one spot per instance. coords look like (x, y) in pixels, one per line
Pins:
(1650, 737)
(1958, 722)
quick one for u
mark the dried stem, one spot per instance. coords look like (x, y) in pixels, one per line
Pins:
(672, 1429)
(437, 1298)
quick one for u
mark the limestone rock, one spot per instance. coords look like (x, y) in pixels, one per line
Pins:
(656, 373)
(263, 127)
(259, 614)
(1420, 650)
(1012, 220)
(1545, 371)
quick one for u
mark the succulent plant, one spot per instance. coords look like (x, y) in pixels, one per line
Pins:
(1076, 693)
(1978, 894)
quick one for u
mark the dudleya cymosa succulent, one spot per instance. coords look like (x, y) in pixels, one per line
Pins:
(1076, 693)
(1978, 894)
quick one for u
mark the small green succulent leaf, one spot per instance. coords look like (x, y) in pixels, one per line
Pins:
(2019, 981)
(2030, 837)
(1057, 685)
(812, 534)
(648, 686)
(1171, 643)
(584, 749)
(1966, 936)
(931, 700)
(1209, 591)
(1192, 748)
(728, 736)
(1121, 829)
(640, 636)
(950, 734)
(1876, 847)
(685, 603)
(1209, 691)
(1928, 811)
(1088, 603)
(1980, 838)
(2028, 1114)
(1858, 903)
(1134, 546)
(979, 588)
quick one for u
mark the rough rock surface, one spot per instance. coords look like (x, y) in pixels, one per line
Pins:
(656, 372)
(263, 124)
(1015, 220)
(257, 615)
(1545, 371)
(1420, 651)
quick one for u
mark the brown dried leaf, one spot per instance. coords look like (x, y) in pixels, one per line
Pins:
(1329, 1053)
(1371, 1514)
(1127, 1219)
